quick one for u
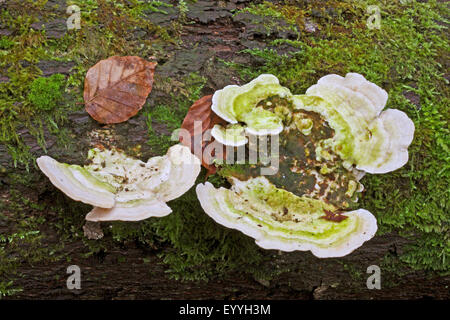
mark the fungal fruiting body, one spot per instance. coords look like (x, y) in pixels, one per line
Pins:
(123, 188)
(239, 104)
(278, 219)
(375, 141)
(328, 139)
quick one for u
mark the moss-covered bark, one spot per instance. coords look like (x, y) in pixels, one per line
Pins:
(202, 46)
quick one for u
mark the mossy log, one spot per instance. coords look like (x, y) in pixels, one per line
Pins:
(185, 256)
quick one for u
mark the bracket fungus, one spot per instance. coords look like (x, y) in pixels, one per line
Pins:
(232, 134)
(239, 104)
(375, 141)
(123, 188)
(278, 219)
(328, 139)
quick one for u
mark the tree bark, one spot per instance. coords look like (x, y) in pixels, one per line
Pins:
(130, 271)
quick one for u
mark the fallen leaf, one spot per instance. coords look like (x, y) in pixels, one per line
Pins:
(201, 111)
(115, 89)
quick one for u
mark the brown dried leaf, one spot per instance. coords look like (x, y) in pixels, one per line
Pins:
(115, 89)
(201, 111)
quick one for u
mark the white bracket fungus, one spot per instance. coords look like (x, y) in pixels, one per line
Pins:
(375, 141)
(278, 219)
(123, 188)
(329, 138)
(231, 135)
(238, 104)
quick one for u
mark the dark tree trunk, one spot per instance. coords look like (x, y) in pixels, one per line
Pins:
(129, 270)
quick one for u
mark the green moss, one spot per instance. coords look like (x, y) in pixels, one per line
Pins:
(198, 248)
(45, 93)
(7, 289)
(154, 6)
(24, 243)
(405, 55)
(195, 248)
(5, 44)
(356, 272)
(169, 116)
(184, 9)
(270, 17)
(265, 9)
(27, 100)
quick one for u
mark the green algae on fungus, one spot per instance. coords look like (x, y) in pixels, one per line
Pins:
(123, 188)
(238, 104)
(375, 141)
(308, 165)
(328, 139)
(278, 219)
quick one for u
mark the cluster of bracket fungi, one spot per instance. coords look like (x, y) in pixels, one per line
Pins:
(328, 138)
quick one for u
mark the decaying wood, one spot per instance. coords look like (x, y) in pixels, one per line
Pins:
(131, 270)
